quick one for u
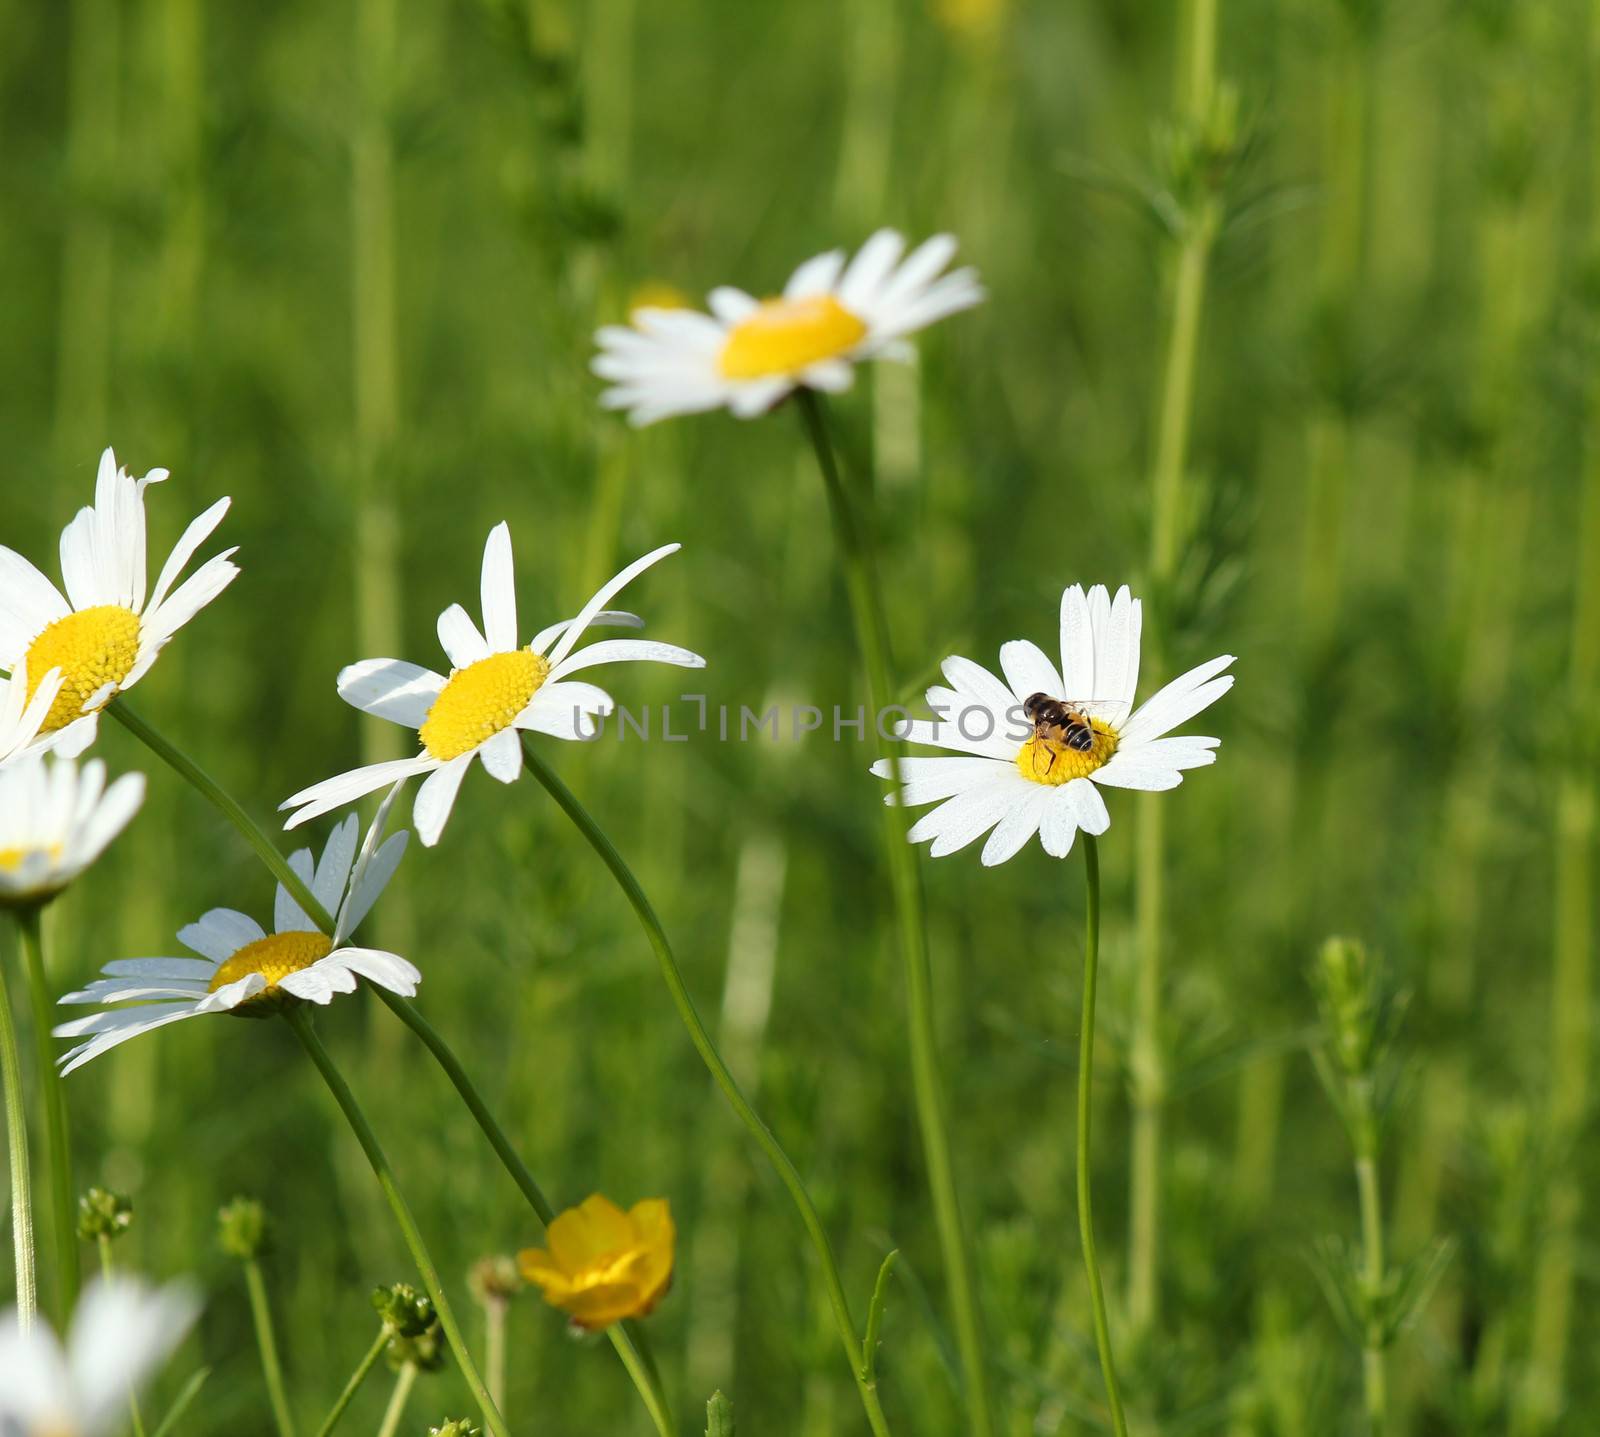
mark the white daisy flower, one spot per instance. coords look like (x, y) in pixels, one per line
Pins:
(245, 970)
(494, 689)
(1035, 747)
(122, 1331)
(23, 709)
(102, 636)
(748, 354)
(55, 820)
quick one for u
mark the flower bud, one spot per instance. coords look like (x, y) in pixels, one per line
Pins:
(494, 1280)
(242, 1229)
(1347, 984)
(403, 1310)
(425, 1352)
(103, 1213)
(456, 1427)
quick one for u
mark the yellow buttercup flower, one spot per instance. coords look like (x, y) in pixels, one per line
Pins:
(604, 1264)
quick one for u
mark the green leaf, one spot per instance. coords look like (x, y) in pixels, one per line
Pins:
(180, 1403)
(719, 1416)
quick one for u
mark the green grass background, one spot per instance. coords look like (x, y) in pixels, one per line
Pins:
(306, 253)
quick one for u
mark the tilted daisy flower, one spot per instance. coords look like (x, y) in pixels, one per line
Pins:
(23, 709)
(748, 354)
(1037, 747)
(103, 635)
(55, 820)
(247, 971)
(495, 689)
(122, 1331)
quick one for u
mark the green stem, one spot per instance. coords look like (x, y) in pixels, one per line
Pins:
(1373, 1376)
(17, 1153)
(724, 1079)
(494, 1349)
(103, 1243)
(58, 1150)
(367, 1363)
(266, 1339)
(300, 1021)
(856, 557)
(397, 1400)
(624, 1338)
(1097, 1296)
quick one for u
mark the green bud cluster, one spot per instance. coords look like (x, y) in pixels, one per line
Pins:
(242, 1229)
(404, 1310)
(103, 1213)
(456, 1427)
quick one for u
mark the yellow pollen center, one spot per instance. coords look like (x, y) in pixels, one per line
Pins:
(786, 335)
(92, 648)
(11, 859)
(274, 957)
(477, 702)
(1049, 761)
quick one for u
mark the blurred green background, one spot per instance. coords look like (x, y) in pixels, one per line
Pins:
(343, 262)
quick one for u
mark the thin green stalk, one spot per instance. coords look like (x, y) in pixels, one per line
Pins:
(852, 532)
(786, 1170)
(103, 1243)
(1147, 1057)
(398, 1399)
(58, 1149)
(266, 1339)
(1372, 1272)
(300, 1020)
(1091, 1260)
(368, 1361)
(494, 1350)
(17, 1153)
(624, 1338)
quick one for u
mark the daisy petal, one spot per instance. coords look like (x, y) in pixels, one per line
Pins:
(459, 637)
(437, 797)
(390, 689)
(1179, 701)
(499, 591)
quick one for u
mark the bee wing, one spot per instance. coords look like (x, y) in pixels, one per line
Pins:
(1095, 708)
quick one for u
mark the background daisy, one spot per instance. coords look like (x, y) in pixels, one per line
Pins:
(495, 690)
(1012, 784)
(122, 1331)
(244, 969)
(748, 353)
(102, 635)
(55, 820)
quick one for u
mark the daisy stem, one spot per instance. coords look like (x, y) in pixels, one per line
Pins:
(623, 1337)
(698, 1035)
(107, 1268)
(856, 556)
(17, 1155)
(63, 1226)
(300, 1020)
(1091, 1261)
(267, 1341)
(398, 1399)
(365, 1366)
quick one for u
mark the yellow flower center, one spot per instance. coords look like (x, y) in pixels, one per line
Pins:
(785, 335)
(1049, 761)
(11, 859)
(92, 648)
(274, 957)
(477, 702)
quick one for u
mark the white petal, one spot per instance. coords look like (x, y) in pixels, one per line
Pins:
(220, 934)
(437, 797)
(1020, 823)
(927, 780)
(1077, 643)
(371, 881)
(1117, 656)
(128, 990)
(618, 651)
(194, 969)
(338, 856)
(1180, 751)
(136, 1021)
(615, 618)
(872, 265)
(82, 573)
(816, 276)
(730, 305)
(1088, 807)
(1060, 824)
(460, 638)
(319, 982)
(162, 621)
(343, 788)
(29, 604)
(387, 970)
(750, 399)
(287, 915)
(194, 536)
(1129, 774)
(390, 689)
(1029, 672)
(502, 755)
(1179, 701)
(976, 682)
(969, 815)
(498, 588)
(612, 586)
(121, 1333)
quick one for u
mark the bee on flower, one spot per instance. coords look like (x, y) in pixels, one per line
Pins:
(101, 637)
(603, 1264)
(747, 354)
(55, 820)
(1037, 747)
(497, 689)
(244, 970)
(122, 1331)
